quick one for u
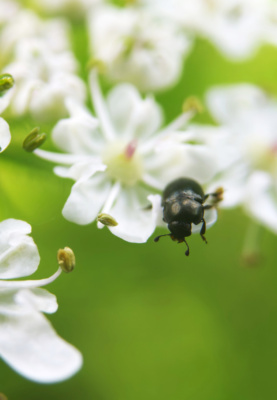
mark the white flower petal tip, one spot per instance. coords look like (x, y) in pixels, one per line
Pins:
(5, 135)
(19, 255)
(36, 351)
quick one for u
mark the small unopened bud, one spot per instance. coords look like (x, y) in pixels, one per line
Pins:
(3, 397)
(6, 82)
(106, 219)
(34, 140)
(97, 64)
(66, 259)
(192, 103)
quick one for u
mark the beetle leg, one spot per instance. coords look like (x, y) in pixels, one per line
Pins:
(187, 251)
(203, 230)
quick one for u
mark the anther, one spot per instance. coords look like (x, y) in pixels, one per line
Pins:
(192, 103)
(66, 259)
(6, 82)
(106, 219)
(34, 140)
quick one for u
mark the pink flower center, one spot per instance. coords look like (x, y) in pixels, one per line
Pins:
(130, 149)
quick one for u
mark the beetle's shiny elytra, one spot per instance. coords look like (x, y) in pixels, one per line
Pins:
(183, 205)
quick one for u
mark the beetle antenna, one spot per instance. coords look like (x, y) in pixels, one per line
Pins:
(158, 237)
(187, 251)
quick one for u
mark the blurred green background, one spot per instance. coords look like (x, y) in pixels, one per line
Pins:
(151, 323)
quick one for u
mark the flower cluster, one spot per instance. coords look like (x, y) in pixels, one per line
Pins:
(38, 56)
(119, 151)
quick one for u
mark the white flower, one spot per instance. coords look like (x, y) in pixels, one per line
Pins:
(28, 343)
(24, 25)
(5, 98)
(122, 158)
(43, 67)
(249, 149)
(236, 27)
(138, 46)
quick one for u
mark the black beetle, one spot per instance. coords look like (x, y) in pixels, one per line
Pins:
(183, 205)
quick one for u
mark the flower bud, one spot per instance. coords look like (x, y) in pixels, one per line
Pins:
(66, 259)
(34, 140)
(6, 82)
(192, 103)
(106, 219)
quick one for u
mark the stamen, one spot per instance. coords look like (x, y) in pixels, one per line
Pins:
(251, 253)
(109, 202)
(29, 284)
(60, 158)
(100, 107)
(66, 259)
(173, 127)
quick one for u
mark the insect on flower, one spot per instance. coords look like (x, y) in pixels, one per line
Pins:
(183, 204)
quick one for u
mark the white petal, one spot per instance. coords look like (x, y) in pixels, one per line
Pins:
(260, 201)
(81, 170)
(78, 134)
(86, 199)
(29, 344)
(136, 222)
(18, 253)
(5, 135)
(21, 100)
(173, 160)
(228, 103)
(210, 218)
(233, 181)
(5, 99)
(48, 101)
(133, 117)
(37, 298)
